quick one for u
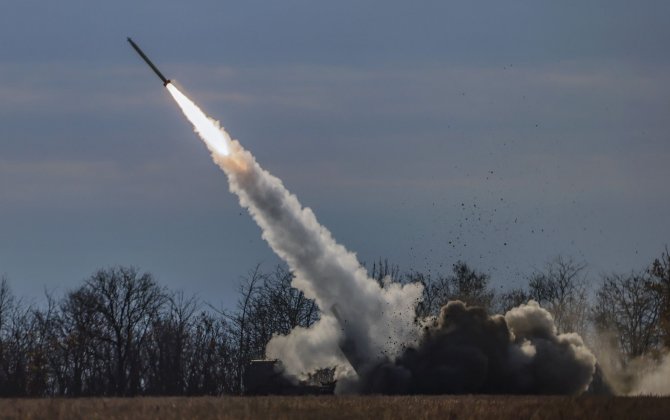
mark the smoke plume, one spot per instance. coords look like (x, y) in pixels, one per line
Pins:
(467, 351)
(378, 321)
(372, 328)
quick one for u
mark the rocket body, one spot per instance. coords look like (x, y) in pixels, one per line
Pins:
(146, 59)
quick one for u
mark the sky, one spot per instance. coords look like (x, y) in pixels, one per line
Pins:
(499, 133)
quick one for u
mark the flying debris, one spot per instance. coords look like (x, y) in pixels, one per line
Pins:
(146, 59)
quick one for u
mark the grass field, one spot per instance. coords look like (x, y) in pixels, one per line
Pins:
(351, 407)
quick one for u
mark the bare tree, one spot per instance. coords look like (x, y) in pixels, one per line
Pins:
(124, 305)
(22, 367)
(6, 302)
(43, 376)
(660, 285)
(79, 356)
(8, 345)
(465, 284)
(212, 364)
(561, 289)
(166, 353)
(239, 323)
(281, 306)
(627, 306)
(436, 293)
(382, 270)
(511, 299)
(471, 286)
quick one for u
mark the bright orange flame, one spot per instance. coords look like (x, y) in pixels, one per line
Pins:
(209, 130)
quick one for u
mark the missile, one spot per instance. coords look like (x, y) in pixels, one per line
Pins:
(146, 59)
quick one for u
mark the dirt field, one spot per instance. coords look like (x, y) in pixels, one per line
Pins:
(351, 407)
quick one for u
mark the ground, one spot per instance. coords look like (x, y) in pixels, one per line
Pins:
(350, 407)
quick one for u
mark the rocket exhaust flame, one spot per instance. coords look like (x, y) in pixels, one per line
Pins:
(209, 130)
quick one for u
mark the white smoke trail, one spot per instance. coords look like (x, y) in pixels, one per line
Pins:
(378, 321)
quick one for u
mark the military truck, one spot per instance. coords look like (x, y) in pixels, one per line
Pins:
(267, 377)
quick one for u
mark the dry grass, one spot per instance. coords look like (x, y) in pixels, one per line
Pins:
(350, 407)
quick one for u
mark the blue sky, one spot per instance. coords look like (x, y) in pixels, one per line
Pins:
(501, 133)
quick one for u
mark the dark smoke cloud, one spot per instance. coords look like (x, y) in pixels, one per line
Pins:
(467, 351)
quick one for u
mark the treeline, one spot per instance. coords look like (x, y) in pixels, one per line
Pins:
(626, 314)
(122, 334)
